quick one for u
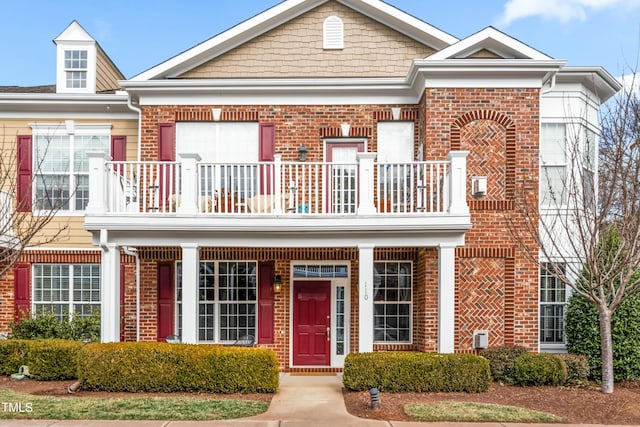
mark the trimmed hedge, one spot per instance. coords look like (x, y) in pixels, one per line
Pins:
(13, 354)
(539, 369)
(49, 359)
(501, 361)
(164, 367)
(416, 372)
(577, 368)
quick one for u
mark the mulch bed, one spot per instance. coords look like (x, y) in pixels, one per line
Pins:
(583, 405)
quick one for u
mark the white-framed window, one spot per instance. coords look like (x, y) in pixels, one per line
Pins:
(333, 33)
(232, 146)
(553, 300)
(553, 164)
(392, 301)
(589, 165)
(66, 289)
(227, 300)
(61, 165)
(75, 68)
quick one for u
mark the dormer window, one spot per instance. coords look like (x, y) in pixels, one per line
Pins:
(333, 33)
(75, 68)
(76, 61)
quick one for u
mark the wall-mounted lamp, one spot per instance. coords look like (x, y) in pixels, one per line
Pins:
(216, 112)
(302, 153)
(277, 283)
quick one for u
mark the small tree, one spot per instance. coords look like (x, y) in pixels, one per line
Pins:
(20, 228)
(576, 230)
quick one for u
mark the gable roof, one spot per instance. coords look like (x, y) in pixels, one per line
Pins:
(284, 12)
(492, 40)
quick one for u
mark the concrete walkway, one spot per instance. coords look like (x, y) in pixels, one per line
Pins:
(301, 401)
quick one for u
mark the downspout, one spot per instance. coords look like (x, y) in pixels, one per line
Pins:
(134, 253)
(139, 111)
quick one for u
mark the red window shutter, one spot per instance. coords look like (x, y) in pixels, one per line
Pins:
(266, 151)
(165, 300)
(166, 142)
(266, 303)
(25, 166)
(21, 290)
(118, 148)
(166, 153)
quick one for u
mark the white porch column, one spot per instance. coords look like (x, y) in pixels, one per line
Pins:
(110, 293)
(365, 298)
(366, 205)
(189, 182)
(277, 183)
(97, 182)
(446, 298)
(458, 183)
(190, 280)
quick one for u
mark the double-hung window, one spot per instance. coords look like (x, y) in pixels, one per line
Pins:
(589, 166)
(66, 289)
(553, 300)
(392, 302)
(75, 68)
(227, 300)
(553, 162)
(61, 165)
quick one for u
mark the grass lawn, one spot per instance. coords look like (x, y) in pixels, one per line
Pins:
(130, 408)
(477, 412)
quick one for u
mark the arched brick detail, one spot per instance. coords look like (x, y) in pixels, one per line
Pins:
(510, 149)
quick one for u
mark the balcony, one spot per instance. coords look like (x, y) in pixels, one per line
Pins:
(277, 196)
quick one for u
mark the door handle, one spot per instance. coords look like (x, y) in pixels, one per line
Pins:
(328, 333)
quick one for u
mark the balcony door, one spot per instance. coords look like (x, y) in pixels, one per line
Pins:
(342, 182)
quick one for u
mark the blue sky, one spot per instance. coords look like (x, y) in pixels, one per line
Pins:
(138, 34)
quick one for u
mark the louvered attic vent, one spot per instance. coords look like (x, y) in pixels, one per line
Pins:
(333, 33)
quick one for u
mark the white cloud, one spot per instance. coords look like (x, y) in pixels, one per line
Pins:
(561, 10)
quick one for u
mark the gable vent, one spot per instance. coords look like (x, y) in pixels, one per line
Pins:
(333, 33)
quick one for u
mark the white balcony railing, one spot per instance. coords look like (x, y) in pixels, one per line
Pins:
(278, 188)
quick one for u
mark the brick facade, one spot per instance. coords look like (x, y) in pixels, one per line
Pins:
(496, 286)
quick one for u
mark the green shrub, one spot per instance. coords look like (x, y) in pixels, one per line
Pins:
(539, 369)
(13, 354)
(47, 326)
(151, 366)
(501, 361)
(416, 372)
(46, 359)
(577, 368)
(583, 336)
(53, 359)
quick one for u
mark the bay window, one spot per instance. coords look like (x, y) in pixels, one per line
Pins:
(553, 300)
(553, 160)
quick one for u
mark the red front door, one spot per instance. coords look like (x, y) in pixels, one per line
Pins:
(311, 323)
